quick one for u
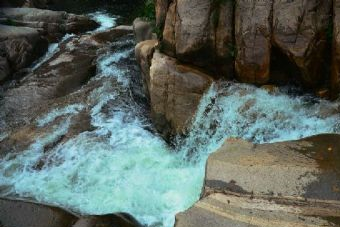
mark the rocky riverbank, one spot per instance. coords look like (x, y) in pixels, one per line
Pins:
(79, 125)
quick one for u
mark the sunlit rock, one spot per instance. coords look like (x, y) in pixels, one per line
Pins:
(144, 52)
(293, 183)
(175, 92)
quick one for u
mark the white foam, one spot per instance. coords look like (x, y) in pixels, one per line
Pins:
(51, 116)
(105, 20)
(244, 111)
(53, 48)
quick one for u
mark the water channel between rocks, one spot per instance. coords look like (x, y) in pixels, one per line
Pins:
(122, 165)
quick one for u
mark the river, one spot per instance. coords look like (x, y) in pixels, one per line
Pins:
(123, 165)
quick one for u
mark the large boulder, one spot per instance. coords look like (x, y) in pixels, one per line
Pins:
(200, 32)
(194, 31)
(24, 213)
(300, 32)
(144, 53)
(253, 40)
(175, 92)
(19, 46)
(54, 23)
(60, 75)
(335, 78)
(142, 30)
(293, 183)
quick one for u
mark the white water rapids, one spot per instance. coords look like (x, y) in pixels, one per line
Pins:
(123, 166)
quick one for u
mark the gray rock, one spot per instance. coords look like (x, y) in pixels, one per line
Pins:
(142, 30)
(295, 183)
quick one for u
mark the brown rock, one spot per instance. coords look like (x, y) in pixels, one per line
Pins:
(175, 92)
(304, 168)
(161, 11)
(230, 211)
(112, 34)
(299, 31)
(54, 23)
(335, 78)
(110, 220)
(64, 73)
(144, 53)
(291, 183)
(169, 41)
(194, 32)
(17, 213)
(23, 213)
(252, 35)
(21, 46)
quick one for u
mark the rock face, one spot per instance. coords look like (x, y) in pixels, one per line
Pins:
(300, 32)
(19, 46)
(62, 74)
(142, 30)
(292, 183)
(53, 23)
(144, 52)
(259, 42)
(161, 10)
(21, 213)
(252, 36)
(200, 33)
(175, 91)
(335, 78)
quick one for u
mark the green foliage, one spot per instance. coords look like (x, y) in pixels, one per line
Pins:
(232, 51)
(149, 10)
(329, 31)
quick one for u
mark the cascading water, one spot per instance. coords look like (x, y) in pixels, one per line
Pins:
(122, 166)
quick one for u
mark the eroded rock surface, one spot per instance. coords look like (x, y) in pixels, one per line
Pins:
(295, 183)
(253, 40)
(300, 32)
(175, 92)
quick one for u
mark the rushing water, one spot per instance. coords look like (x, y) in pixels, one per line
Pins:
(123, 166)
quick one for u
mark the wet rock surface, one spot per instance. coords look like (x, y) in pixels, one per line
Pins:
(22, 213)
(293, 183)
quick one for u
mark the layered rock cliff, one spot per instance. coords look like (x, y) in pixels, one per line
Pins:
(269, 42)
(259, 42)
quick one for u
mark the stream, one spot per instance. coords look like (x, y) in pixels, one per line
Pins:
(124, 166)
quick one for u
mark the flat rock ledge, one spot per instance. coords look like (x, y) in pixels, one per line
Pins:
(291, 184)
